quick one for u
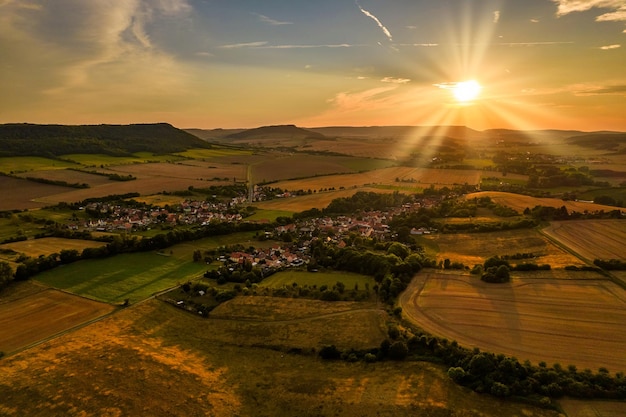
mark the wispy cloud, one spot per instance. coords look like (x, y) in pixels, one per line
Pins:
(618, 89)
(243, 45)
(271, 21)
(618, 8)
(393, 80)
(375, 19)
(496, 16)
(607, 47)
(534, 20)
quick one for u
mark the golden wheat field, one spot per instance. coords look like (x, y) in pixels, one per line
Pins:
(153, 359)
(591, 239)
(49, 245)
(521, 202)
(540, 318)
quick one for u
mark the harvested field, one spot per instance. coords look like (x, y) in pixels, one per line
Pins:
(148, 185)
(566, 321)
(474, 248)
(49, 245)
(520, 202)
(70, 176)
(184, 170)
(21, 194)
(591, 239)
(419, 177)
(172, 362)
(36, 316)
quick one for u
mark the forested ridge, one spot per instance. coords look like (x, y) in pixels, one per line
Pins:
(116, 140)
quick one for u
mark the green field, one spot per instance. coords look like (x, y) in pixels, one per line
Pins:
(287, 278)
(16, 164)
(137, 276)
(212, 153)
(134, 276)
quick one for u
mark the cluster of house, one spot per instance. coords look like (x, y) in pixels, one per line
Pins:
(116, 217)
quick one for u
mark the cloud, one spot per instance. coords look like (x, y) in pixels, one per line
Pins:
(619, 89)
(243, 45)
(496, 16)
(395, 80)
(271, 21)
(375, 19)
(607, 47)
(617, 15)
(534, 20)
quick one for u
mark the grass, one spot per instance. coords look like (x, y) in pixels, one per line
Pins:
(209, 366)
(134, 276)
(31, 163)
(49, 245)
(367, 164)
(287, 278)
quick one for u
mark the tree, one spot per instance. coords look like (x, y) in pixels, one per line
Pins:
(6, 274)
(398, 350)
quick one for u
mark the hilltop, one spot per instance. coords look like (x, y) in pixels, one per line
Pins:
(116, 140)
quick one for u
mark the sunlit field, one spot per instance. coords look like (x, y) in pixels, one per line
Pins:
(16, 164)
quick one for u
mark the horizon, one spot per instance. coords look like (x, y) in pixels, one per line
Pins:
(490, 64)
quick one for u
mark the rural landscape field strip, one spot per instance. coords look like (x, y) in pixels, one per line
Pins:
(596, 239)
(44, 314)
(581, 322)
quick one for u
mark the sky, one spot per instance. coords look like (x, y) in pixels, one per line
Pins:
(532, 64)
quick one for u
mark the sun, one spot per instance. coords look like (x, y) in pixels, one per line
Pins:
(466, 91)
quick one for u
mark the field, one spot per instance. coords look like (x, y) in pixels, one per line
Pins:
(128, 276)
(419, 177)
(21, 194)
(192, 170)
(317, 200)
(41, 313)
(135, 276)
(16, 164)
(329, 279)
(580, 320)
(69, 176)
(212, 153)
(475, 248)
(591, 239)
(520, 202)
(182, 365)
(49, 245)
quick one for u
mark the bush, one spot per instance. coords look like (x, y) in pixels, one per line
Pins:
(398, 351)
(330, 352)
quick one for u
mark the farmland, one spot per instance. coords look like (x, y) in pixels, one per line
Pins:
(529, 318)
(49, 245)
(596, 239)
(186, 366)
(41, 313)
(520, 202)
(287, 278)
(472, 249)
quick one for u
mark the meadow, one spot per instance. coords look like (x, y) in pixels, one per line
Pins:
(577, 320)
(302, 278)
(187, 365)
(520, 202)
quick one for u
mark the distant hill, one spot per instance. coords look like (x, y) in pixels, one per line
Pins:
(277, 132)
(116, 140)
(615, 142)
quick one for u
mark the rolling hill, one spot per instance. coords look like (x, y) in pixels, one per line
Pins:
(116, 140)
